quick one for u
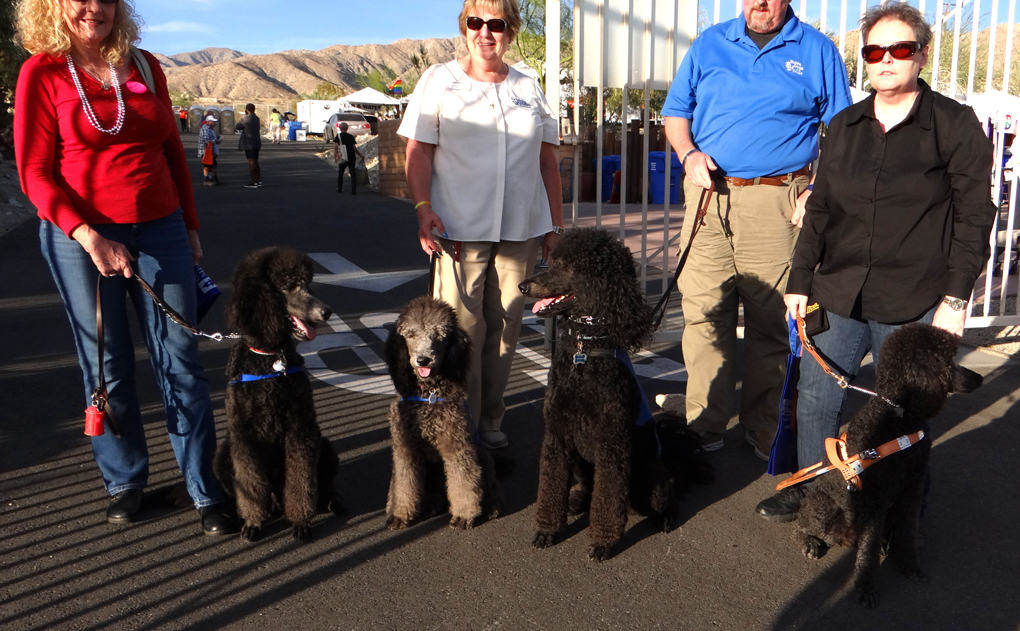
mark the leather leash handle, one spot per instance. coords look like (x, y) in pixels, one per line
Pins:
(699, 220)
(100, 397)
(433, 262)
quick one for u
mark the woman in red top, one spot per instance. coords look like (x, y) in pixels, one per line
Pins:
(99, 156)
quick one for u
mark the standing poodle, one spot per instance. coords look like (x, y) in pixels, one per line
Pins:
(597, 424)
(428, 356)
(274, 454)
(915, 376)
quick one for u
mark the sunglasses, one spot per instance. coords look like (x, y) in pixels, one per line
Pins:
(495, 25)
(873, 53)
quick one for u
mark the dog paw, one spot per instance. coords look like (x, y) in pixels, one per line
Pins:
(543, 539)
(916, 575)
(462, 523)
(669, 523)
(866, 596)
(814, 548)
(337, 506)
(303, 532)
(250, 532)
(599, 552)
(396, 523)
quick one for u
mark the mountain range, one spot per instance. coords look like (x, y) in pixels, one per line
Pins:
(229, 75)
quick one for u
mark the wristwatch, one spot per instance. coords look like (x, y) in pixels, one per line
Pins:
(956, 304)
(558, 229)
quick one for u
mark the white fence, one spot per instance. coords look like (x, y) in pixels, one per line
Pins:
(639, 44)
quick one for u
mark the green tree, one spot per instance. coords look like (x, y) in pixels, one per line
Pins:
(181, 98)
(376, 79)
(326, 91)
(529, 45)
(420, 62)
(11, 58)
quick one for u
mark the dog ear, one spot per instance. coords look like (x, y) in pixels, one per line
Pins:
(458, 356)
(398, 361)
(257, 309)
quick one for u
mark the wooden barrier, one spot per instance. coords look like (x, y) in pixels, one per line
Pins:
(392, 180)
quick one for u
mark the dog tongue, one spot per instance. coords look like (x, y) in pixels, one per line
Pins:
(543, 303)
(424, 371)
(304, 328)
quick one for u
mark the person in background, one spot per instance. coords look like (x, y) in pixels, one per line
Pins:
(250, 143)
(896, 230)
(99, 156)
(743, 113)
(206, 135)
(182, 114)
(275, 125)
(482, 169)
(347, 141)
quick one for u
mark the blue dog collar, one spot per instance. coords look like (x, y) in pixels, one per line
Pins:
(283, 373)
(432, 398)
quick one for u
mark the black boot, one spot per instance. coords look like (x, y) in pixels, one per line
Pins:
(124, 506)
(218, 519)
(784, 505)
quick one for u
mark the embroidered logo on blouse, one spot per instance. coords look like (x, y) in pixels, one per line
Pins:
(795, 67)
(518, 101)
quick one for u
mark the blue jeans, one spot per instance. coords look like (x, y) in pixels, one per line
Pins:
(164, 260)
(819, 398)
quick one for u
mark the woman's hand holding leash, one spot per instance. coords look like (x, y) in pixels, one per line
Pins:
(110, 258)
(796, 305)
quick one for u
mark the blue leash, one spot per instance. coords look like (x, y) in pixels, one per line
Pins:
(283, 373)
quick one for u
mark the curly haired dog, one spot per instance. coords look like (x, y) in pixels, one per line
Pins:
(433, 438)
(592, 425)
(917, 373)
(274, 454)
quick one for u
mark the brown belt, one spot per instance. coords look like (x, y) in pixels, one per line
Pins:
(772, 180)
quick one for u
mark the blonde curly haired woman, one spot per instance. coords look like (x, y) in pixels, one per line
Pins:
(99, 155)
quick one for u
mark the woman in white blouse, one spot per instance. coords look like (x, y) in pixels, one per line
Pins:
(482, 169)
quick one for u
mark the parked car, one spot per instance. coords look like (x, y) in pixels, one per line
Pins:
(373, 121)
(357, 125)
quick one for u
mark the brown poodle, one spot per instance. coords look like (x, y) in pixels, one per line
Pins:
(274, 455)
(916, 373)
(433, 437)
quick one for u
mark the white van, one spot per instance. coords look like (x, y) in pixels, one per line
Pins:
(316, 113)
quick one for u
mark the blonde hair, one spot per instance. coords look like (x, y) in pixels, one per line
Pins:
(507, 8)
(40, 27)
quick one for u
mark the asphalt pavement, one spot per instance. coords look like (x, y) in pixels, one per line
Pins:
(63, 567)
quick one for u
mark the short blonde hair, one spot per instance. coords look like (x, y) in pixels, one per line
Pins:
(507, 8)
(40, 27)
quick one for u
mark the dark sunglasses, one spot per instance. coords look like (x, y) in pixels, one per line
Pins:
(873, 53)
(495, 25)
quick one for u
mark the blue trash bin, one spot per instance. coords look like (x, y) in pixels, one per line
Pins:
(657, 177)
(292, 128)
(610, 165)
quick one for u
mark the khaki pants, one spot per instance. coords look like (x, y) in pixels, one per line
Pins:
(742, 253)
(482, 289)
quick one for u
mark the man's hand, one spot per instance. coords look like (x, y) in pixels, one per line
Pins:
(699, 167)
(798, 211)
(948, 319)
(428, 221)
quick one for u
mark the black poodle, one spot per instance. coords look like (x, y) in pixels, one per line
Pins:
(274, 455)
(916, 374)
(434, 440)
(597, 423)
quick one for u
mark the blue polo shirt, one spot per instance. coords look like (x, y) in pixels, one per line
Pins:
(756, 112)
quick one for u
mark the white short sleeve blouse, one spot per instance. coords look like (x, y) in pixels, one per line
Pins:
(486, 180)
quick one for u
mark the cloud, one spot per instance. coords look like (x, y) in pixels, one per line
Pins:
(180, 27)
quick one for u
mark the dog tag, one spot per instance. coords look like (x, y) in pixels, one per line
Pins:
(580, 358)
(280, 365)
(433, 397)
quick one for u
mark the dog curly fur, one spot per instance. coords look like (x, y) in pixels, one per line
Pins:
(428, 354)
(590, 408)
(917, 372)
(274, 454)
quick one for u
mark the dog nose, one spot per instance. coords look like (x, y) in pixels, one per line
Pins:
(423, 361)
(525, 287)
(325, 312)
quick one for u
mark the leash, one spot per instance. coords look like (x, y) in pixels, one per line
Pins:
(178, 318)
(843, 382)
(433, 261)
(699, 220)
(850, 467)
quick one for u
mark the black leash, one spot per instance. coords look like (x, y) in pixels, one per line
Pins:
(699, 220)
(432, 273)
(178, 318)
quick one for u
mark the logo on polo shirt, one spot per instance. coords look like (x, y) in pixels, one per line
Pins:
(518, 101)
(795, 67)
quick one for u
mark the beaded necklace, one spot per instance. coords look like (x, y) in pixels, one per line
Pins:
(89, 113)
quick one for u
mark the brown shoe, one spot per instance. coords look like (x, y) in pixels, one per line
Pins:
(761, 440)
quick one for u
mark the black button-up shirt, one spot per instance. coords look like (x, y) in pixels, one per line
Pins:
(897, 218)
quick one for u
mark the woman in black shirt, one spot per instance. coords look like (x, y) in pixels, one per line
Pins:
(896, 230)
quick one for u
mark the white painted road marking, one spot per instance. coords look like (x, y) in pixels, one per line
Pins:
(346, 274)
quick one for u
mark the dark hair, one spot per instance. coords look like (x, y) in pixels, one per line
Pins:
(249, 108)
(901, 12)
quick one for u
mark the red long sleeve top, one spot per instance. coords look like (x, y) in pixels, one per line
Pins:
(75, 174)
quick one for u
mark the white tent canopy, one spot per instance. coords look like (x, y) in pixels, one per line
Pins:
(368, 96)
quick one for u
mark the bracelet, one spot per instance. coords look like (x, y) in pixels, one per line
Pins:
(683, 160)
(420, 204)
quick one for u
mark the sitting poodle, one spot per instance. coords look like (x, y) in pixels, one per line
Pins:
(274, 455)
(433, 437)
(598, 429)
(916, 374)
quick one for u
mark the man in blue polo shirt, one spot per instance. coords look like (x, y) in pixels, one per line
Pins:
(743, 113)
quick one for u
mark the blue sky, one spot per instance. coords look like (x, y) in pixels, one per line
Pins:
(261, 26)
